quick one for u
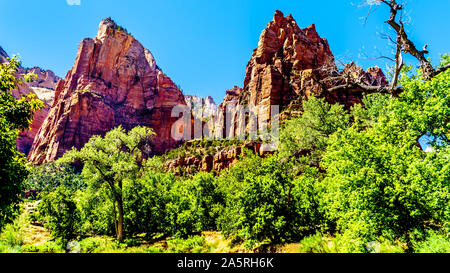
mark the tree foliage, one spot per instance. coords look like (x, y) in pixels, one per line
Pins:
(111, 161)
(15, 115)
(348, 181)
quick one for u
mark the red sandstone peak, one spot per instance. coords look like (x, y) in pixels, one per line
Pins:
(284, 50)
(114, 81)
(286, 66)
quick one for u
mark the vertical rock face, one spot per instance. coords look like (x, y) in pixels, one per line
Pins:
(114, 81)
(285, 53)
(43, 87)
(285, 67)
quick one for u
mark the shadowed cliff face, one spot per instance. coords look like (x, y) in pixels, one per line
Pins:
(3, 55)
(114, 81)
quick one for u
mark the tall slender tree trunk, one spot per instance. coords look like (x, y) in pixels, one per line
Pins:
(115, 217)
(120, 232)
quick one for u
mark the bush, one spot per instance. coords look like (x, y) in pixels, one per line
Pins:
(260, 203)
(432, 242)
(145, 201)
(91, 244)
(60, 212)
(315, 244)
(206, 200)
(155, 249)
(96, 212)
(50, 176)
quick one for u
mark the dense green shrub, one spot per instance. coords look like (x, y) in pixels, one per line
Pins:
(379, 184)
(432, 242)
(206, 200)
(59, 209)
(96, 212)
(50, 176)
(145, 203)
(193, 244)
(15, 115)
(263, 204)
(12, 236)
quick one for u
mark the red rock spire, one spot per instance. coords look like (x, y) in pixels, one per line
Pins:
(113, 82)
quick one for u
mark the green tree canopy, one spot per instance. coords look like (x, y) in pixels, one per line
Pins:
(110, 160)
(15, 115)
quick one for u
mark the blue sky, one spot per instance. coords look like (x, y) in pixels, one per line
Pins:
(204, 45)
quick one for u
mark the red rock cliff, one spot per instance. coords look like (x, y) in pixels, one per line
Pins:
(286, 68)
(114, 81)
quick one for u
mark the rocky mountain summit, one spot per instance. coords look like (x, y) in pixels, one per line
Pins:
(114, 81)
(289, 65)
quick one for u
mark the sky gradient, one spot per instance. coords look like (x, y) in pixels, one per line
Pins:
(204, 45)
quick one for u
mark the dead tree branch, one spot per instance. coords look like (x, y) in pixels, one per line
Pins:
(404, 44)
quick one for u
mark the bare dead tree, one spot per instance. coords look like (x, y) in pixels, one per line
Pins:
(337, 80)
(405, 45)
(333, 79)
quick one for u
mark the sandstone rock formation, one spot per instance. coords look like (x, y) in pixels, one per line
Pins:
(45, 78)
(43, 86)
(287, 67)
(218, 161)
(114, 81)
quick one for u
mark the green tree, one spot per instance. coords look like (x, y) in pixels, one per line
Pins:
(304, 139)
(111, 161)
(50, 176)
(262, 202)
(15, 115)
(379, 183)
(61, 214)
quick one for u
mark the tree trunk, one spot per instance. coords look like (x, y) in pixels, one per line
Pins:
(115, 217)
(120, 232)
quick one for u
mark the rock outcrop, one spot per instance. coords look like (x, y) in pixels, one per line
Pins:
(114, 81)
(285, 55)
(286, 69)
(43, 86)
(222, 159)
(45, 78)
